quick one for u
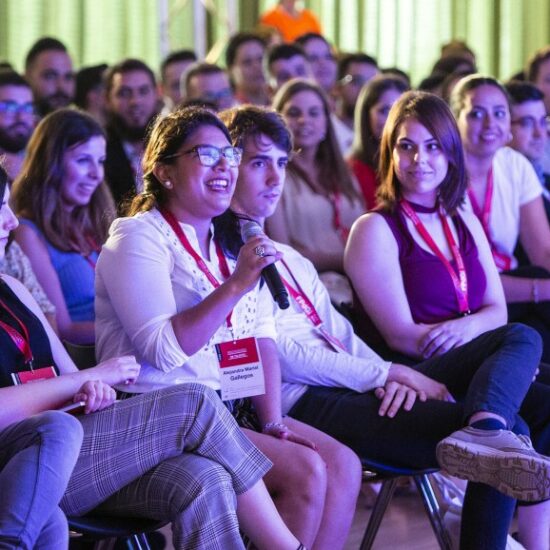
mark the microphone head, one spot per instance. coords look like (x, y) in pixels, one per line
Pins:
(250, 229)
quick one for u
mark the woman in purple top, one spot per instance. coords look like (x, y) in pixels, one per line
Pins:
(441, 299)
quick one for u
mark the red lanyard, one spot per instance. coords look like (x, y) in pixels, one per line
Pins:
(307, 307)
(201, 264)
(334, 199)
(20, 339)
(503, 261)
(299, 296)
(460, 281)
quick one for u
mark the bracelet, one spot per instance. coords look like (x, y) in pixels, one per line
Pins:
(535, 291)
(269, 425)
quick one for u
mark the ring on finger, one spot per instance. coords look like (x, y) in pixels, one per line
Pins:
(259, 251)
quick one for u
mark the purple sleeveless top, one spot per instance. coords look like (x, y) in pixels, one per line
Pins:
(428, 285)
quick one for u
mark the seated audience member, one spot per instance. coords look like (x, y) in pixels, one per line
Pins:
(458, 48)
(49, 71)
(443, 304)
(172, 68)
(206, 301)
(450, 64)
(284, 62)
(17, 120)
(354, 71)
(530, 127)
(320, 200)
(174, 454)
(398, 73)
(90, 92)
(433, 84)
(506, 196)
(244, 58)
(132, 103)
(65, 209)
(373, 107)
(207, 83)
(321, 59)
(290, 21)
(537, 72)
(329, 373)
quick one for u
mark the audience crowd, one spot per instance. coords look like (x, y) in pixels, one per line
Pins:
(406, 234)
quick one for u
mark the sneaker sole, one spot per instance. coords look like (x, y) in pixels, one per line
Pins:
(523, 478)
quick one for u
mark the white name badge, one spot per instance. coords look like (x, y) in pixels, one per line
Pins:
(241, 369)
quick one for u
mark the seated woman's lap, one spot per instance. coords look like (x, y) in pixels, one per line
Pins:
(407, 440)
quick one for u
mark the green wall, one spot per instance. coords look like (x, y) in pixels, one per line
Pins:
(406, 33)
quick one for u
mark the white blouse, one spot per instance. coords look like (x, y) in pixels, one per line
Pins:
(144, 277)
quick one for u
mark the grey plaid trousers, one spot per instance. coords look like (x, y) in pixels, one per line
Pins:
(174, 454)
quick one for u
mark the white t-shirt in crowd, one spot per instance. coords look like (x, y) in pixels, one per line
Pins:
(515, 183)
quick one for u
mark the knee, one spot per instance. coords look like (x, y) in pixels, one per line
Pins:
(61, 430)
(209, 485)
(344, 469)
(305, 479)
(520, 334)
(186, 398)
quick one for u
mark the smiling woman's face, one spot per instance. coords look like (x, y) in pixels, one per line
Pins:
(304, 113)
(197, 192)
(484, 121)
(8, 222)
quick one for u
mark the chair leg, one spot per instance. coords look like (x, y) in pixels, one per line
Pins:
(140, 542)
(380, 507)
(433, 511)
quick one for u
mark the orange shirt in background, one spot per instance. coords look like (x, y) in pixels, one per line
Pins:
(291, 27)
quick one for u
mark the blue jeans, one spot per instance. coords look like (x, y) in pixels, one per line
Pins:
(37, 456)
(491, 373)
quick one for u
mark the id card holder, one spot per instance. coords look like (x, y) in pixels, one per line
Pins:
(241, 369)
(25, 377)
(332, 341)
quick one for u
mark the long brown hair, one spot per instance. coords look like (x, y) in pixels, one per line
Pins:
(334, 174)
(37, 189)
(433, 113)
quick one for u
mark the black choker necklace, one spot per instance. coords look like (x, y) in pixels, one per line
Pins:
(424, 209)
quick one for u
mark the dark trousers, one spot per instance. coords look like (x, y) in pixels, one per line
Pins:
(492, 373)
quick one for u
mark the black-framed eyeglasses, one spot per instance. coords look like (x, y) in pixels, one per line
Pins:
(210, 155)
(12, 107)
(530, 123)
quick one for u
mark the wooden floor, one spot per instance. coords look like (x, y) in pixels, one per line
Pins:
(405, 525)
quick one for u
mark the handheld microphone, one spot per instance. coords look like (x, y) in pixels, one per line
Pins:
(249, 230)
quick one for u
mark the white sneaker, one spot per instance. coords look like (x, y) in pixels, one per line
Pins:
(498, 458)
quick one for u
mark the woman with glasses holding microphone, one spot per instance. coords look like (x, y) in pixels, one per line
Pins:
(189, 305)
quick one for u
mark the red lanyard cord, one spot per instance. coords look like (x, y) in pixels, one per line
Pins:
(503, 261)
(460, 281)
(21, 339)
(201, 264)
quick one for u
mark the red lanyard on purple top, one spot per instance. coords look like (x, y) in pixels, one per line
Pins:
(299, 296)
(201, 264)
(503, 261)
(460, 281)
(20, 339)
